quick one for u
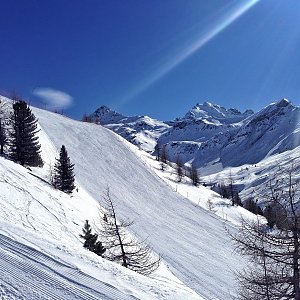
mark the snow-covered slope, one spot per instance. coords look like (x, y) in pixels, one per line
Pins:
(191, 241)
(41, 254)
(44, 224)
(252, 180)
(141, 131)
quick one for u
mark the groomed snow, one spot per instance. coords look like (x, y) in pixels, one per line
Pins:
(191, 241)
(39, 240)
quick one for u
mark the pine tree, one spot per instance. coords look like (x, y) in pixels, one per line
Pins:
(24, 144)
(91, 242)
(3, 137)
(63, 172)
(98, 248)
(163, 155)
(86, 230)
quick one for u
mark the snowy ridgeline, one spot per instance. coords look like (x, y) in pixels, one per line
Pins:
(212, 137)
(40, 225)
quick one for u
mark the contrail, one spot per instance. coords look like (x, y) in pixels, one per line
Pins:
(205, 37)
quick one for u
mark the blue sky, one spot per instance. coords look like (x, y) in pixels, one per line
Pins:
(154, 57)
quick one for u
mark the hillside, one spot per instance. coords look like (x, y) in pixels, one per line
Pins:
(191, 240)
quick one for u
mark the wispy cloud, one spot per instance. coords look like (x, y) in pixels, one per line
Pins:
(53, 98)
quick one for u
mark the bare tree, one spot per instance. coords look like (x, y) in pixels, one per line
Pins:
(273, 254)
(210, 205)
(179, 169)
(163, 154)
(194, 175)
(86, 118)
(121, 246)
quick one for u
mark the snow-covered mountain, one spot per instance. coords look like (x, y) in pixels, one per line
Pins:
(141, 131)
(272, 130)
(216, 114)
(202, 121)
(39, 242)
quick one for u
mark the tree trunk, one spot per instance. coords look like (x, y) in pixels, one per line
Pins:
(123, 254)
(296, 265)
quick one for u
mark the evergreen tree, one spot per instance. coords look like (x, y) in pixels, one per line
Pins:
(63, 172)
(91, 242)
(3, 137)
(24, 144)
(86, 231)
(163, 154)
(252, 206)
(98, 248)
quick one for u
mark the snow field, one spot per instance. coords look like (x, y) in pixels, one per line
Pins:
(192, 242)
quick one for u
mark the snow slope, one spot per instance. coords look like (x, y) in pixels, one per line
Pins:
(41, 254)
(191, 241)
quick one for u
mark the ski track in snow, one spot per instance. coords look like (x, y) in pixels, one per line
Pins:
(39, 276)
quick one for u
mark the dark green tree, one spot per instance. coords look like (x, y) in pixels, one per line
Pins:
(64, 172)
(24, 144)
(91, 242)
(3, 137)
(86, 231)
(98, 248)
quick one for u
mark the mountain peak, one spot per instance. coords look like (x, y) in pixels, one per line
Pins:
(107, 115)
(283, 103)
(215, 113)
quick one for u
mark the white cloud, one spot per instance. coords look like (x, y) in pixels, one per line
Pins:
(53, 98)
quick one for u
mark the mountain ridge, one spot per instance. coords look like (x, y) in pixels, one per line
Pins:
(212, 134)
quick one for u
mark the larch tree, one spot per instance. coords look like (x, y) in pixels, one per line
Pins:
(64, 178)
(122, 247)
(194, 175)
(24, 144)
(179, 169)
(274, 267)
